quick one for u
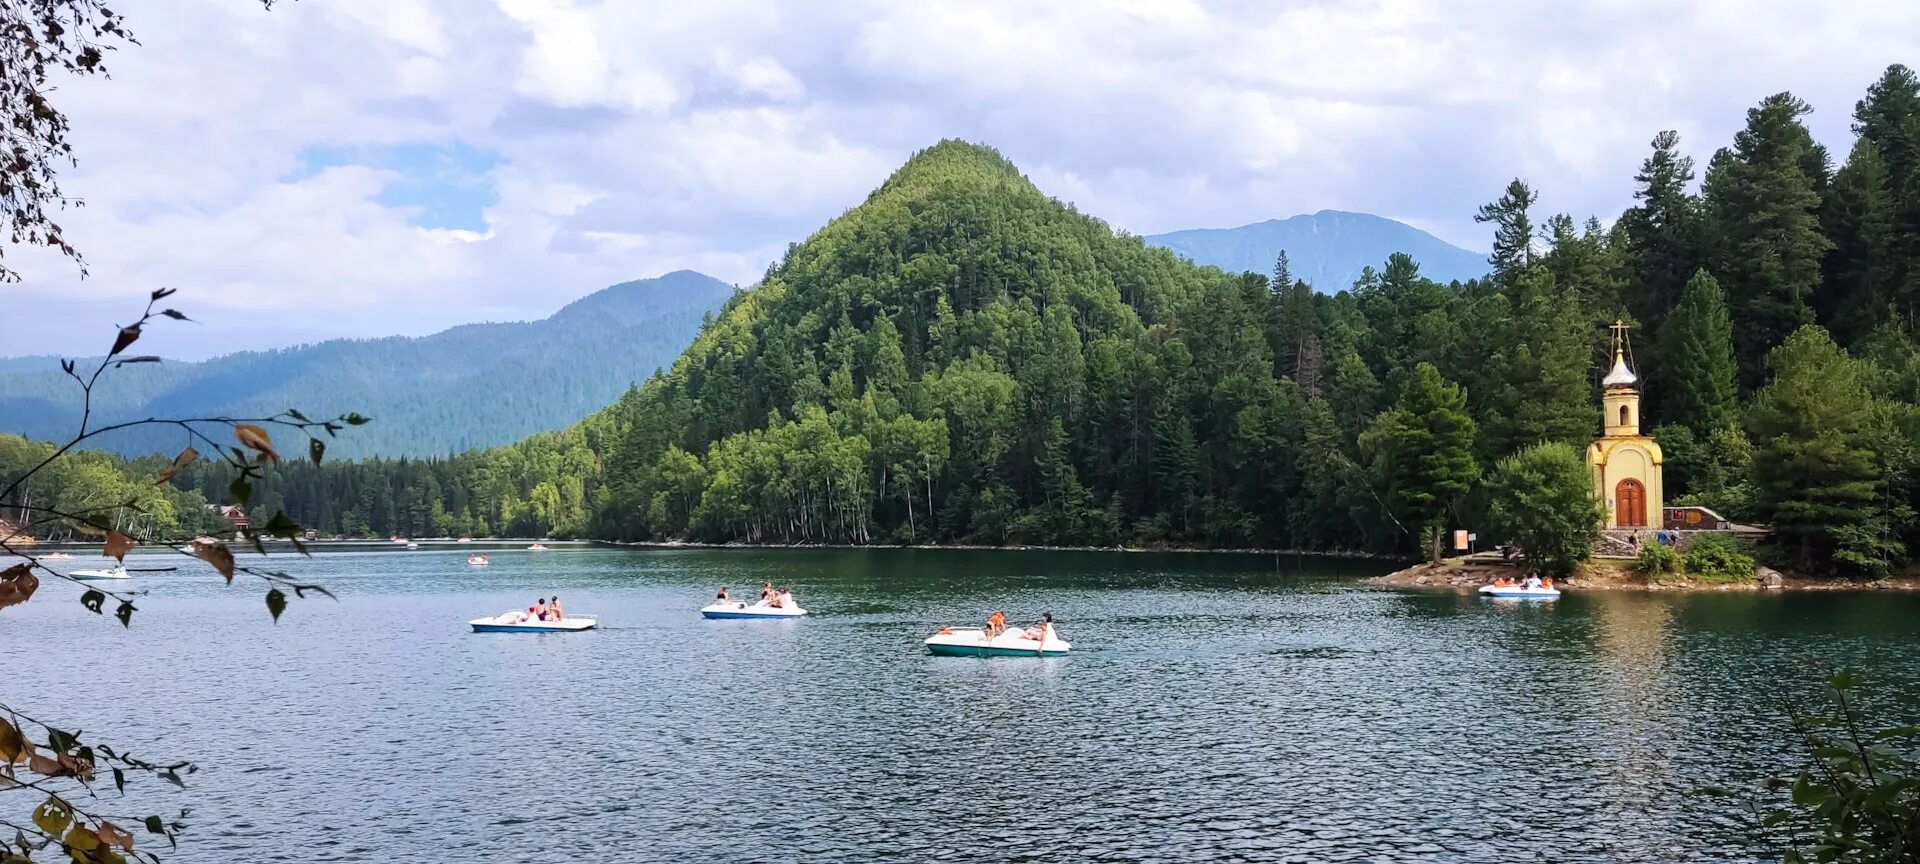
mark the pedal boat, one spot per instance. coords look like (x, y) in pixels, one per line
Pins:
(520, 622)
(100, 575)
(1519, 591)
(1012, 642)
(757, 610)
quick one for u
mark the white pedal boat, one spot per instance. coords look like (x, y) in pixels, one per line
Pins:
(758, 610)
(1012, 642)
(521, 622)
(1519, 591)
(99, 575)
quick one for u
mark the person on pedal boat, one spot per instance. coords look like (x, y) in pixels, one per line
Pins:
(996, 623)
(553, 608)
(722, 597)
(1038, 632)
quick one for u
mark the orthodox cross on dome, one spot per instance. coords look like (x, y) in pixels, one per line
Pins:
(1621, 375)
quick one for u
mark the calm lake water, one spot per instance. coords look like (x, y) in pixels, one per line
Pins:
(1215, 708)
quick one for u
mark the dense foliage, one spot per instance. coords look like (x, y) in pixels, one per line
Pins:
(1542, 498)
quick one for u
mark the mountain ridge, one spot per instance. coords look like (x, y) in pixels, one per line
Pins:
(1328, 249)
(539, 375)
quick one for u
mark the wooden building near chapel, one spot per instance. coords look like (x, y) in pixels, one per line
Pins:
(1624, 463)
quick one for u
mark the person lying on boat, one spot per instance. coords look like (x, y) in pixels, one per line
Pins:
(996, 623)
(1038, 632)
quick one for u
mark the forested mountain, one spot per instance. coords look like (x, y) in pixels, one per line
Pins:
(963, 359)
(470, 387)
(1328, 249)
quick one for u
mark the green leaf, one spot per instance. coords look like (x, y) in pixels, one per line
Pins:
(295, 414)
(1807, 793)
(120, 780)
(241, 490)
(93, 600)
(276, 603)
(125, 613)
(1897, 732)
(316, 450)
(155, 826)
(356, 420)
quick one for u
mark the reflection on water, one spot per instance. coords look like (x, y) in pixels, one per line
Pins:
(1215, 708)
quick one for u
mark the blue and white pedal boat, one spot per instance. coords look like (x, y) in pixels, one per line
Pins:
(1517, 591)
(758, 610)
(521, 622)
(1013, 642)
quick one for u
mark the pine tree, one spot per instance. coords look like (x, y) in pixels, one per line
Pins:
(1537, 385)
(1889, 117)
(1762, 202)
(1282, 281)
(1859, 279)
(1512, 232)
(1176, 466)
(1582, 262)
(1696, 349)
(1816, 473)
(1422, 453)
(1662, 232)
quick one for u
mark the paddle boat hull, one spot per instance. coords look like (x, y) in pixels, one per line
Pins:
(742, 610)
(99, 575)
(1515, 591)
(521, 622)
(973, 642)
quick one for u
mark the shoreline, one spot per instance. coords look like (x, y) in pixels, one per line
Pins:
(935, 547)
(1460, 576)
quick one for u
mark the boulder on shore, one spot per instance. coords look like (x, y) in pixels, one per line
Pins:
(1769, 578)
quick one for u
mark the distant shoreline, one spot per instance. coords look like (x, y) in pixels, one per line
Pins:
(935, 547)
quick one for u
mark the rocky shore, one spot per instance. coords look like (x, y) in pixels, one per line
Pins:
(1466, 575)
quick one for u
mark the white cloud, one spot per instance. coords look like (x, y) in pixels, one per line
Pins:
(628, 139)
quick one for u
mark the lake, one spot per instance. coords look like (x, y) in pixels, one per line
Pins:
(1214, 708)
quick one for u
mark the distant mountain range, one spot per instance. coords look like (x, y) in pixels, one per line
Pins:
(1327, 249)
(472, 386)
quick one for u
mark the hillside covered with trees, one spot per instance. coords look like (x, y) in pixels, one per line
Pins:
(962, 359)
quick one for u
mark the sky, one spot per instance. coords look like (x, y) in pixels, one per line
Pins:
(376, 167)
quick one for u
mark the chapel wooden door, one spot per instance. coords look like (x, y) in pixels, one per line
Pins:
(1630, 504)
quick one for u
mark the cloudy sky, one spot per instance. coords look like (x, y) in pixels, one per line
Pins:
(373, 167)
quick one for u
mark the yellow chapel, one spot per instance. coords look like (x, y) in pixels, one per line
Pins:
(1624, 463)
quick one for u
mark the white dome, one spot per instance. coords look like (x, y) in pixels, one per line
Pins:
(1620, 376)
